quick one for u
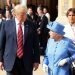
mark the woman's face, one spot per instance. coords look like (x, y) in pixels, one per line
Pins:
(54, 35)
(71, 17)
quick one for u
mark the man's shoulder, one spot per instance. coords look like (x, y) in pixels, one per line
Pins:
(11, 20)
(8, 23)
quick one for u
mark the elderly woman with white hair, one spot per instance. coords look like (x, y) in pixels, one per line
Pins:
(60, 51)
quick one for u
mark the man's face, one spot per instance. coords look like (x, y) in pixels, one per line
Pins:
(45, 10)
(39, 11)
(21, 16)
(30, 11)
(71, 17)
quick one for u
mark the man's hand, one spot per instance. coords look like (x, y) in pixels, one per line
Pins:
(1, 66)
(38, 31)
(62, 62)
(35, 66)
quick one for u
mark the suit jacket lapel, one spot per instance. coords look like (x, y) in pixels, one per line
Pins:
(14, 30)
(26, 28)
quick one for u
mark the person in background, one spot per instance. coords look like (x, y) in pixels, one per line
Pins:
(13, 5)
(42, 22)
(19, 47)
(7, 8)
(31, 15)
(45, 11)
(60, 51)
(1, 19)
(12, 14)
(70, 29)
(7, 15)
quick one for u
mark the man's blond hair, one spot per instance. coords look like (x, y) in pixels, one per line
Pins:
(19, 8)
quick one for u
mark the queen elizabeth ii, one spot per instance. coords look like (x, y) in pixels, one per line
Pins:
(60, 51)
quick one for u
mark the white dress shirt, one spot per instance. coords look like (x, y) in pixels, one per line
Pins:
(70, 32)
(48, 16)
(17, 25)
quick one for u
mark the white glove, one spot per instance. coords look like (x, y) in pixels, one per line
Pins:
(45, 68)
(73, 64)
(62, 62)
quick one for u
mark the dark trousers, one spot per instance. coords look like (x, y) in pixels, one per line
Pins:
(19, 68)
(73, 71)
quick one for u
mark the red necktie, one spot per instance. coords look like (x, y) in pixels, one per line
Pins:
(20, 42)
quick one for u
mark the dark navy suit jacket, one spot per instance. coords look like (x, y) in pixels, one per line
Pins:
(8, 45)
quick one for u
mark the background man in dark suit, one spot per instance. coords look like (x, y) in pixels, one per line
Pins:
(19, 51)
(31, 15)
(42, 22)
